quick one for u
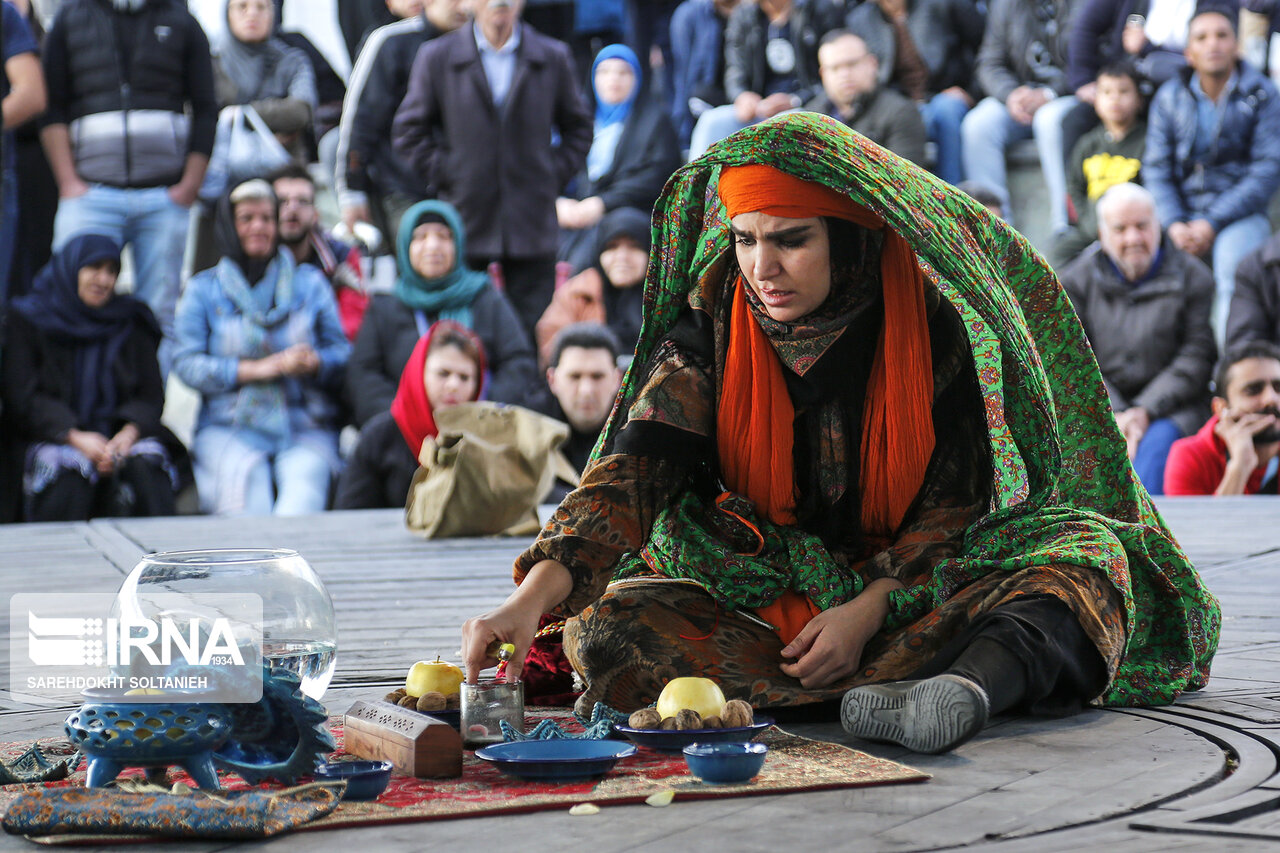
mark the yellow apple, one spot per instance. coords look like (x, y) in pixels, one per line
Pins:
(428, 675)
(700, 694)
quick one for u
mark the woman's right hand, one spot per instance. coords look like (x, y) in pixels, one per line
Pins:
(508, 623)
(515, 621)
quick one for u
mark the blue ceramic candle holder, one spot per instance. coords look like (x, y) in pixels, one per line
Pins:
(116, 735)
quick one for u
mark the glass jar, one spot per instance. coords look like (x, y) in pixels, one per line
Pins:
(485, 705)
(298, 626)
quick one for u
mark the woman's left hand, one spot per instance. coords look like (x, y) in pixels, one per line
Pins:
(830, 646)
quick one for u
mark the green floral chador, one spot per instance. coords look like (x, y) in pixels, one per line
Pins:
(1028, 492)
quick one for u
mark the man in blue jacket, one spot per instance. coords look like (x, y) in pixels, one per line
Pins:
(1213, 153)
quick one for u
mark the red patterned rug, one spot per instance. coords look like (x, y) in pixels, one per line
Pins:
(794, 764)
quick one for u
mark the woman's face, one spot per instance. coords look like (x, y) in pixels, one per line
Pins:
(451, 377)
(256, 227)
(614, 81)
(250, 20)
(96, 283)
(787, 262)
(624, 262)
(431, 250)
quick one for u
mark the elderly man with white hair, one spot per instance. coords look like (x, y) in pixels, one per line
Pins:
(1145, 304)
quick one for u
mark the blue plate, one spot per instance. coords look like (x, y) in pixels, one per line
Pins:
(554, 760)
(674, 740)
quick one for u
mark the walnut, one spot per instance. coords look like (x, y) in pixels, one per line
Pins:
(668, 724)
(687, 718)
(431, 701)
(409, 702)
(736, 713)
(394, 696)
(453, 701)
(645, 718)
(712, 722)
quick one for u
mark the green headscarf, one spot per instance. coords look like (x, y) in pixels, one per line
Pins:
(1063, 491)
(448, 297)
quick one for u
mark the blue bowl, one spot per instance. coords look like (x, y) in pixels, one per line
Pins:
(365, 779)
(725, 763)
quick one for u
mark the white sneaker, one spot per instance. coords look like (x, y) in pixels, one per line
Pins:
(933, 715)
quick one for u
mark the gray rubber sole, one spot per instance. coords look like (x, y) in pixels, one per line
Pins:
(930, 716)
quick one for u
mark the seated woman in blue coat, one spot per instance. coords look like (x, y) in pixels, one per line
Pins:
(260, 339)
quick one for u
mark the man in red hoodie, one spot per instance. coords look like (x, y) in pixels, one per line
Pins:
(1238, 451)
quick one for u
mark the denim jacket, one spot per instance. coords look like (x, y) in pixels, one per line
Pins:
(210, 329)
(1243, 165)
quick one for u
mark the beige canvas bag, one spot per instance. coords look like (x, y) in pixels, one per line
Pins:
(486, 471)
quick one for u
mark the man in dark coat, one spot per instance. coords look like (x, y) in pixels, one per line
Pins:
(852, 92)
(477, 123)
(1144, 303)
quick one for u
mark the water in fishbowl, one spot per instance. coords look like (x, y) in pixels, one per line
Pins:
(313, 662)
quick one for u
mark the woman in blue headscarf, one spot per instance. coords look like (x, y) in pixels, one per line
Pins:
(633, 153)
(83, 394)
(436, 284)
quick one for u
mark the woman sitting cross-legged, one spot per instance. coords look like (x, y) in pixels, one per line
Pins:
(446, 368)
(83, 394)
(260, 339)
(863, 455)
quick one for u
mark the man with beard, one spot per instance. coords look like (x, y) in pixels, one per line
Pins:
(1238, 451)
(300, 231)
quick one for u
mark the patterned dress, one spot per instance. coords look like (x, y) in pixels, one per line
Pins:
(1028, 492)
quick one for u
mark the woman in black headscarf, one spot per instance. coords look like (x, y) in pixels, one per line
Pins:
(83, 394)
(610, 291)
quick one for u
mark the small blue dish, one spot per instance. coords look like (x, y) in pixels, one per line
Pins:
(556, 760)
(365, 779)
(725, 763)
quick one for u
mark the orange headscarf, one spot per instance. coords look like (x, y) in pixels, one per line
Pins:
(755, 411)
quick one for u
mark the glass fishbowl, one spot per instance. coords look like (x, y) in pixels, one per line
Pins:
(298, 630)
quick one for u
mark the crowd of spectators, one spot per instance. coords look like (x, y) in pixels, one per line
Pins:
(504, 156)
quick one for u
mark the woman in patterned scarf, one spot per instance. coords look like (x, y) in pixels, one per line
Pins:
(863, 451)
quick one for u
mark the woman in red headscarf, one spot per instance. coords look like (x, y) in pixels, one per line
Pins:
(806, 492)
(447, 367)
